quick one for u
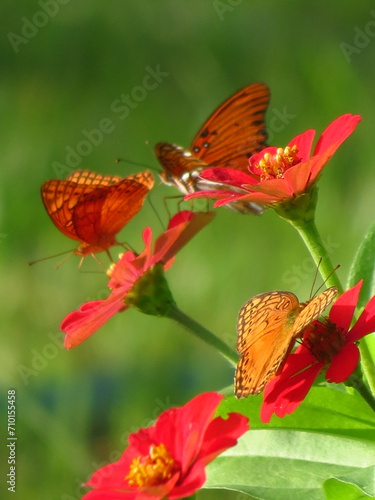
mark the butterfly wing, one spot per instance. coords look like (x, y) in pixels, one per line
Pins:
(60, 198)
(89, 178)
(265, 337)
(313, 309)
(107, 209)
(92, 208)
(145, 178)
(176, 160)
(235, 131)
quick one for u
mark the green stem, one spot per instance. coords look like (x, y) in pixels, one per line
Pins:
(311, 237)
(367, 363)
(357, 383)
(300, 213)
(201, 332)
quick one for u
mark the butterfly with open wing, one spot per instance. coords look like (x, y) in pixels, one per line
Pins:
(268, 325)
(234, 132)
(92, 208)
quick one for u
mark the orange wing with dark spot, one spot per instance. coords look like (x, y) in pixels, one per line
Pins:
(234, 132)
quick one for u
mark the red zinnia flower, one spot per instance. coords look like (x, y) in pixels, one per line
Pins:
(276, 174)
(168, 459)
(128, 272)
(328, 344)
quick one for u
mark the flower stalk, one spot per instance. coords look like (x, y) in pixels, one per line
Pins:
(202, 333)
(300, 213)
(356, 381)
(367, 364)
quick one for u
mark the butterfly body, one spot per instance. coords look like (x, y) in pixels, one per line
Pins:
(268, 325)
(234, 132)
(92, 208)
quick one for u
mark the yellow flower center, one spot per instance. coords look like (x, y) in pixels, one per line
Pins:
(325, 340)
(274, 166)
(152, 469)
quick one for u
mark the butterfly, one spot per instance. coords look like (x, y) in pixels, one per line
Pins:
(267, 326)
(92, 208)
(234, 132)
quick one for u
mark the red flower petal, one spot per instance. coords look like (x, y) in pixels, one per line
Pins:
(343, 364)
(111, 495)
(222, 434)
(81, 324)
(284, 393)
(256, 197)
(277, 188)
(297, 178)
(343, 309)
(180, 218)
(304, 144)
(215, 193)
(337, 132)
(178, 235)
(365, 323)
(227, 176)
(191, 421)
(316, 165)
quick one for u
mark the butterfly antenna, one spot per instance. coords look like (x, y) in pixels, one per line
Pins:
(62, 261)
(118, 160)
(155, 212)
(314, 280)
(52, 257)
(325, 281)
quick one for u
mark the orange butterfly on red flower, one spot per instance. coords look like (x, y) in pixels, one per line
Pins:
(268, 325)
(92, 208)
(234, 132)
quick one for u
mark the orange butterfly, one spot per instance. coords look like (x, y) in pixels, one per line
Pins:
(267, 326)
(92, 208)
(234, 132)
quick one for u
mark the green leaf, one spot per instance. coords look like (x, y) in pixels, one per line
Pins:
(330, 436)
(325, 409)
(363, 267)
(355, 486)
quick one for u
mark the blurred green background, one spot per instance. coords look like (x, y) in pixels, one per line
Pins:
(61, 74)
